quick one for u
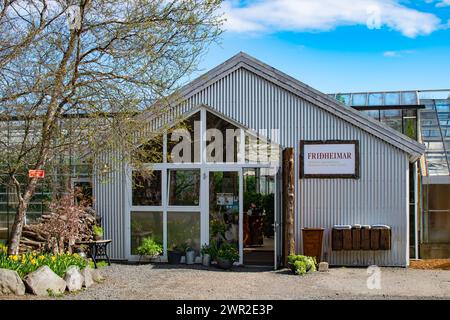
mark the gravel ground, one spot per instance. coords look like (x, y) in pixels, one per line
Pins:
(183, 282)
(196, 282)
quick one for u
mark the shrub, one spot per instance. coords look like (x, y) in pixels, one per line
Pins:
(31, 261)
(302, 264)
(149, 247)
(228, 251)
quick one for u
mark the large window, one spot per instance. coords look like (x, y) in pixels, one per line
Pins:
(222, 140)
(184, 187)
(146, 188)
(183, 229)
(146, 225)
(183, 141)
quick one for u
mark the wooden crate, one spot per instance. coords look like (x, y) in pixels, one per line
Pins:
(385, 239)
(336, 239)
(375, 239)
(347, 239)
(365, 239)
(356, 238)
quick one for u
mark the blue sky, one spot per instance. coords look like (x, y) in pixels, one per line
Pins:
(342, 45)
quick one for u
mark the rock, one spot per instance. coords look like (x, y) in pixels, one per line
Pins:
(74, 279)
(43, 281)
(87, 275)
(96, 275)
(10, 283)
(323, 267)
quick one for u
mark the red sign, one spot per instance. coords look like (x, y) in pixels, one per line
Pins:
(36, 173)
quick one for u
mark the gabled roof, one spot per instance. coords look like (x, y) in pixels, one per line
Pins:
(321, 100)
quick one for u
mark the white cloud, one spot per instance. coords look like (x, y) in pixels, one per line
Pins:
(397, 54)
(324, 15)
(443, 3)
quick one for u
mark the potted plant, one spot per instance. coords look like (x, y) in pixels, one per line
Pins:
(226, 255)
(98, 232)
(174, 255)
(149, 248)
(190, 255)
(206, 255)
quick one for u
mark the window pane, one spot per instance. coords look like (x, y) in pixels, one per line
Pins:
(146, 225)
(146, 188)
(392, 99)
(359, 99)
(184, 187)
(375, 99)
(183, 141)
(409, 98)
(222, 140)
(393, 118)
(375, 114)
(183, 228)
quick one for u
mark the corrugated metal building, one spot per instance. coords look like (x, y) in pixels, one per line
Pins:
(256, 97)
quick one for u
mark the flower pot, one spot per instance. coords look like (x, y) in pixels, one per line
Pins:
(174, 257)
(224, 263)
(206, 260)
(190, 257)
(98, 237)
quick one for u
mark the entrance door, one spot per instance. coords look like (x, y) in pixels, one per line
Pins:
(259, 217)
(225, 208)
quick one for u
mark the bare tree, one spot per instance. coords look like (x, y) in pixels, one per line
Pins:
(96, 62)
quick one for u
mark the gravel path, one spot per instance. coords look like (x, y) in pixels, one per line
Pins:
(186, 282)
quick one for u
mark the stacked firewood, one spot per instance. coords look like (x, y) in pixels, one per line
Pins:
(43, 235)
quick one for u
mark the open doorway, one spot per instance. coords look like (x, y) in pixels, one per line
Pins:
(259, 214)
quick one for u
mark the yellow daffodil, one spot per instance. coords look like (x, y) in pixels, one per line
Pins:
(33, 261)
(14, 258)
(41, 257)
(34, 254)
(53, 258)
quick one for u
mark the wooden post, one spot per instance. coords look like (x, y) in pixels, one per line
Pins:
(288, 204)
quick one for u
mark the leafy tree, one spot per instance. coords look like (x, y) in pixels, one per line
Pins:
(74, 74)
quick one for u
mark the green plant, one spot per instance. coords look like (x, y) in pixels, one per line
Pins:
(217, 227)
(302, 264)
(31, 261)
(149, 247)
(228, 252)
(98, 231)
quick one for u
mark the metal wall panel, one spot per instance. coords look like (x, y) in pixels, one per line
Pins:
(379, 196)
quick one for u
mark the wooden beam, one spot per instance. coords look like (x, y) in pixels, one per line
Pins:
(288, 204)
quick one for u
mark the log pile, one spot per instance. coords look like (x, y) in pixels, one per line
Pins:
(36, 237)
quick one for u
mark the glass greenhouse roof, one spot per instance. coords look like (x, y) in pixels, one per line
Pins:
(433, 116)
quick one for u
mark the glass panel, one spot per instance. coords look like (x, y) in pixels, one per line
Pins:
(409, 98)
(392, 99)
(184, 187)
(393, 118)
(224, 207)
(375, 99)
(222, 140)
(258, 233)
(183, 141)
(410, 123)
(145, 225)
(439, 213)
(183, 229)
(146, 188)
(375, 114)
(359, 99)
